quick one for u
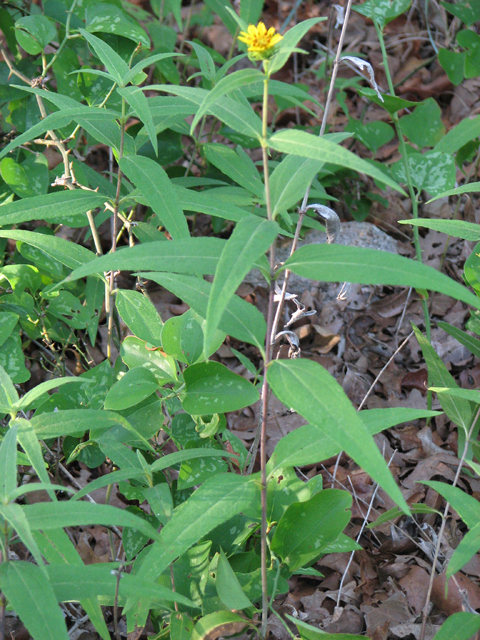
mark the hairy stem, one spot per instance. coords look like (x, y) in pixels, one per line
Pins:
(263, 432)
(109, 302)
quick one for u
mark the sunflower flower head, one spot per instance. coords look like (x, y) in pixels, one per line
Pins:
(260, 41)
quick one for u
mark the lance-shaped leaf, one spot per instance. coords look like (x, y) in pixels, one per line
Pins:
(236, 115)
(216, 501)
(189, 255)
(308, 388)
(236, 80)
(337, 263)
(159, 192)
(139, 103)
(33, 600)
(50, 207)
(300, 143)
(57, 120)
(250, 239)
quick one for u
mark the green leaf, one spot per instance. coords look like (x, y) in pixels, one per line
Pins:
(473, 187)
(453, 63)
(459, 626)
(392, 104)
(8, 393)
(135, 353)
(211, 624)
(424, 127)
(306, 528)
(58, 120)
(181, 626)
(455, 228)
(210, 203)
(228, 587)
(114, 64)
(336, 263)
(30, 444)
(372, 134)
(108, 18)
(432, 171)
(237, 165)
(216, 501)
(465, 505)
(236, 80)
(212, 388)
(15, 175)
(73, 422)
(382, 11)
(308, 632)
(290, 40)
(472, 344)
(76, 582)
(469, 40)
(146, 62)
(182, 338)
(308, 445)
(465, 551)
(249, 240)
(8, 322)
(468, 129)
(290, 180)
(33, 599)
(309, 389)
(139, 103)
(56, 515)
(57, 548)
(8, 464)
(240, 319)
(29, 398)
(133, 387)
(300, 143)
(157, 189)
(220, 8)
(189, 255)
(13, 359)
(15, 516)
(394, 513)
(459, 410)
(164, 462)
(34, 33)
(55, 207)
(234, 114)
(140, 316)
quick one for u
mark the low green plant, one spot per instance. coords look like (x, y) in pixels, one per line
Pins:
(211, 545)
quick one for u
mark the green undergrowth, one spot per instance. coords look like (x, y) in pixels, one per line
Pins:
(209, 544)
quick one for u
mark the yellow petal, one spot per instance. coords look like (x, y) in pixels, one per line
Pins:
(261, 29)
(252, 30)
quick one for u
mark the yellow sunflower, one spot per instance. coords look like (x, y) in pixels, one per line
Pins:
(259, 40)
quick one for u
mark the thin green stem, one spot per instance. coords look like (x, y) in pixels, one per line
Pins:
(64, 41)
(408, 176)
(111, 279)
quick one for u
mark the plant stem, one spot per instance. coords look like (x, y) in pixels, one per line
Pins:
(263, 432)
(109, 302)
(64, 41)
(442, 528)
(408, 177)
